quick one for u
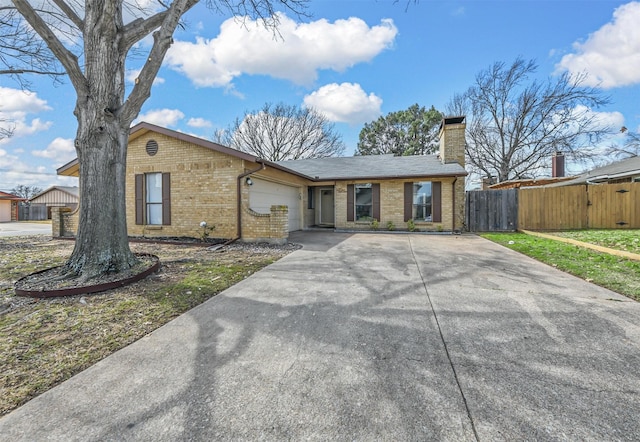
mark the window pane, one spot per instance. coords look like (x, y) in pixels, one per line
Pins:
(364, 213)
(422, 192)
(422, 201)
(154, 188)
(364, 202)
(154, 214)
(364, 196)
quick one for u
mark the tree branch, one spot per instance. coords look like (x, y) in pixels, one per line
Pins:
(66, 57)
(162, 40)
(70, 13)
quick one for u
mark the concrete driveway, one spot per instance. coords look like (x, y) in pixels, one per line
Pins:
(24, 228)
(370, 337)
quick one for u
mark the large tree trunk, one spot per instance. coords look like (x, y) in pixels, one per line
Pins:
(102, 244)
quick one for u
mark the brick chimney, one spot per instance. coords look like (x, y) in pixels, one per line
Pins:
(557, 165)
(452, 141)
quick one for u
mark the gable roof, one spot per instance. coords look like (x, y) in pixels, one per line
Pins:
(73, 191)
(10, 196)
(629, 167)
(373, 167)
(72, 167)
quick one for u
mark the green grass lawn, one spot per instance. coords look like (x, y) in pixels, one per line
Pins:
(626, 240)
(618, 274)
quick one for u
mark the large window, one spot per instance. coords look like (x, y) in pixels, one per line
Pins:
(153, 199)
(153, 187)
(422, 201)
(364, 202)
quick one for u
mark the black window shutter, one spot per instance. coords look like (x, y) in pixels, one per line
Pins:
(139, 198)
(375, 191)
(408, 201)
(166, 199)
(350, 196)
(436, 199)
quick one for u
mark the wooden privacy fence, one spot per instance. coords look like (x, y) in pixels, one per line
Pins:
(595, 206)
(492, 210)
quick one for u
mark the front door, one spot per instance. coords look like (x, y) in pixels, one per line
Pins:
(326, 206)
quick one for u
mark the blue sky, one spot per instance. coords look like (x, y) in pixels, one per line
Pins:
(352, 59)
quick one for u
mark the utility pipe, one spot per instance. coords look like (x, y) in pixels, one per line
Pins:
(239, 195)
(453, 202)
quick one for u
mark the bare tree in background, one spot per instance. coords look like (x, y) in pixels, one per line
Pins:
(631, 147)
(26, 191)
(91, 40)
(284, 132)
(515, 124)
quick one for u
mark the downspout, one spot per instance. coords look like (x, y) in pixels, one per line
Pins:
(453, 202)
(239, 196)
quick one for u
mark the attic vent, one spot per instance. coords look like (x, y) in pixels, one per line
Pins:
(152, 147)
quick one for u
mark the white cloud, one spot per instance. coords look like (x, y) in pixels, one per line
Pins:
(613, 120)
(345, 102)
(15, 106)
(60, 149)
(14, 170)
(611, 55)
(300, 50)
(132, 76)
(17, 100)
(199, 122)
(162, 117)
(22, 128)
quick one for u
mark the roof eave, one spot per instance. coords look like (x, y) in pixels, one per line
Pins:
(393, 177)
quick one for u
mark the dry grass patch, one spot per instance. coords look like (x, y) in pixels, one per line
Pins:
(44, 342)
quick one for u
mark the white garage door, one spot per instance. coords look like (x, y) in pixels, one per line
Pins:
(264, 194)
(5, 211)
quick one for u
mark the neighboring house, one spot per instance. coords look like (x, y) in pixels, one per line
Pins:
(55, 196)
(9, 207)
(176, 181)
(624, 171)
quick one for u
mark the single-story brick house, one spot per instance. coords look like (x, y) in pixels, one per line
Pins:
(176, 181)
(9, 207)
(623, 171)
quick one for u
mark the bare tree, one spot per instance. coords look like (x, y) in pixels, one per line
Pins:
(284, 132)
(91, 40)
(516, 124)
(630, 148)
(24, 191)
(22, 51)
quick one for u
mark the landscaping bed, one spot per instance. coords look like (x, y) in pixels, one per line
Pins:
(44, 342)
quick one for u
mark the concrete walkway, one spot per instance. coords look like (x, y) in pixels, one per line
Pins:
(23, 228)
(369, 337)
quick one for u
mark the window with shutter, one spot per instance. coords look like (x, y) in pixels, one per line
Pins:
(153, 198)
(425, 201)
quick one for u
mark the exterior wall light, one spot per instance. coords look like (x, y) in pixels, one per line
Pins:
(248, 181)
